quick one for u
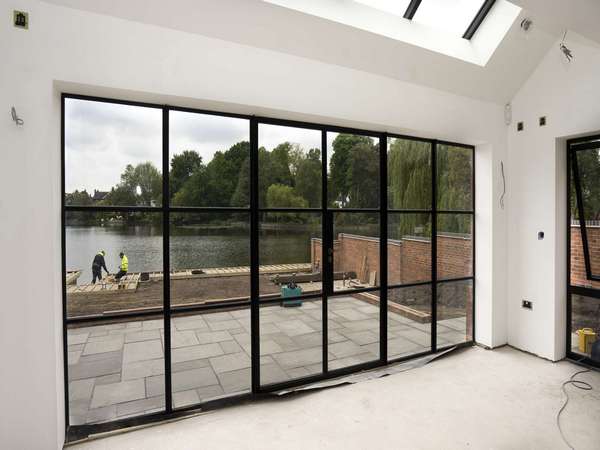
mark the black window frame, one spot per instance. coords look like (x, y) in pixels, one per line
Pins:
(574, 146)
(480, 16)
(76, 432)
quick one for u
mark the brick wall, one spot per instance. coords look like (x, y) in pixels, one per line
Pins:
(578, 274)
(409, 259)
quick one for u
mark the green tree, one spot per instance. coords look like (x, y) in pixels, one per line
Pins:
(307, 180)
(222, 174)
(282, 196)
(144, 181)
(355, 160)
(183, 166)
(409, 174)
(79, 198)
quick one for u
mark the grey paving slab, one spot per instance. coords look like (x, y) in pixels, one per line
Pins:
(268, 347)
(235, 381)
(362, 325)
(100, 415)
(294, 327)
(417, 336)
(351, 314)
(209, 337)
(74, 356)
(190, 323)
(111, 394)
(208, 392)
(299, 358)
(184, 338)
(153, 324)
(142, 351)
(109, 345)
(155, 386)
(185, 398)
(142, 369)
(191, 364)
(91, 368)
(345, 348)
(314, 339)
(363, 337)
(140, 406)
(272, 373)
(79, 338)
(218, 316)
(107, 379)
(141, 335)
(195, 352)
(230, 347)
(231, 362)
(225, 325)
(268, 328)
(81, 389)
(195, 378)
(398, 347)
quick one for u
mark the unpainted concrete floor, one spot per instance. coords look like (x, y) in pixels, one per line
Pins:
(472, 399)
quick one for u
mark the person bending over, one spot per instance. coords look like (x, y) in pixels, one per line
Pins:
(97, 265)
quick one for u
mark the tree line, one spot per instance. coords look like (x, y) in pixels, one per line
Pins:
(290, 177)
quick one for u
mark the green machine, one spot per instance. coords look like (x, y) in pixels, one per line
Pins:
(291, 290)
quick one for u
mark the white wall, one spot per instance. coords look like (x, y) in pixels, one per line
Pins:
(86, 53)
(568, 94)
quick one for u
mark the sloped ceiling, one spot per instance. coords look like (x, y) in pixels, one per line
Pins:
(260, 24)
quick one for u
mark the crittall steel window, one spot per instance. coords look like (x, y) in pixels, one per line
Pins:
(583, 296)
(210, 257)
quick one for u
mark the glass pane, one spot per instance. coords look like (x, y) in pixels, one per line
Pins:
(290, 254)
(409, 174)
(289, 167)
(455, 178)
(409, 248)
(210, 257)
(454, 312)
(588, 162)
(113, 154)
(96, 282)
(291, 341)
(396, 7)
(353, 177)
(355, 250)
(454, 246)
(451, 16)
(353, 329)
(113, 370)
(210, 160)
(409, 321)
(585, 324)
(210, 355)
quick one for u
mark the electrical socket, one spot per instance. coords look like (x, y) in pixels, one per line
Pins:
(526, 304)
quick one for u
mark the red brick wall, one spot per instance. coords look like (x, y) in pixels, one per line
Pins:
(578, 274)
(409, 260)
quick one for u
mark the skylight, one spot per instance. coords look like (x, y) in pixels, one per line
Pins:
(451, 16)
(469, 30)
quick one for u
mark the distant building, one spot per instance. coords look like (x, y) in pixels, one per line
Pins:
(99, 196)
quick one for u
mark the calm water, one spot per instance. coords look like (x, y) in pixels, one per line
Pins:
(190, 247)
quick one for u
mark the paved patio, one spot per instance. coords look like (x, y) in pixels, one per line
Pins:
(117, 370)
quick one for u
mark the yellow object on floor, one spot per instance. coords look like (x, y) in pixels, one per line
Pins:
(587, 337)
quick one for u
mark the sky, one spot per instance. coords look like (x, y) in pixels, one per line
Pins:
(102, 138)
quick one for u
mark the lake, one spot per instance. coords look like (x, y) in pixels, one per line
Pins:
(190, 247)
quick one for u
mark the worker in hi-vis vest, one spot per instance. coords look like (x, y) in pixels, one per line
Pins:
(124, 267)
(97, 265)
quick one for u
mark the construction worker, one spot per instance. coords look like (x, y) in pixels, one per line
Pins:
(97, 265)
(123, 267)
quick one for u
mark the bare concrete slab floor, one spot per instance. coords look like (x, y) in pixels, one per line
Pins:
(117, 370)
(475, 399)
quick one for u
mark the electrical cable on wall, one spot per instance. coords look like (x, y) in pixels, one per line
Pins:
(18, 121)
(566, 50)
(503, 185)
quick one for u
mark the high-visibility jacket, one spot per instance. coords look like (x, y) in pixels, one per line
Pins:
(124, 263)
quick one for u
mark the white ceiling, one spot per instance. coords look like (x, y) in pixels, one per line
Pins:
(260, 24)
